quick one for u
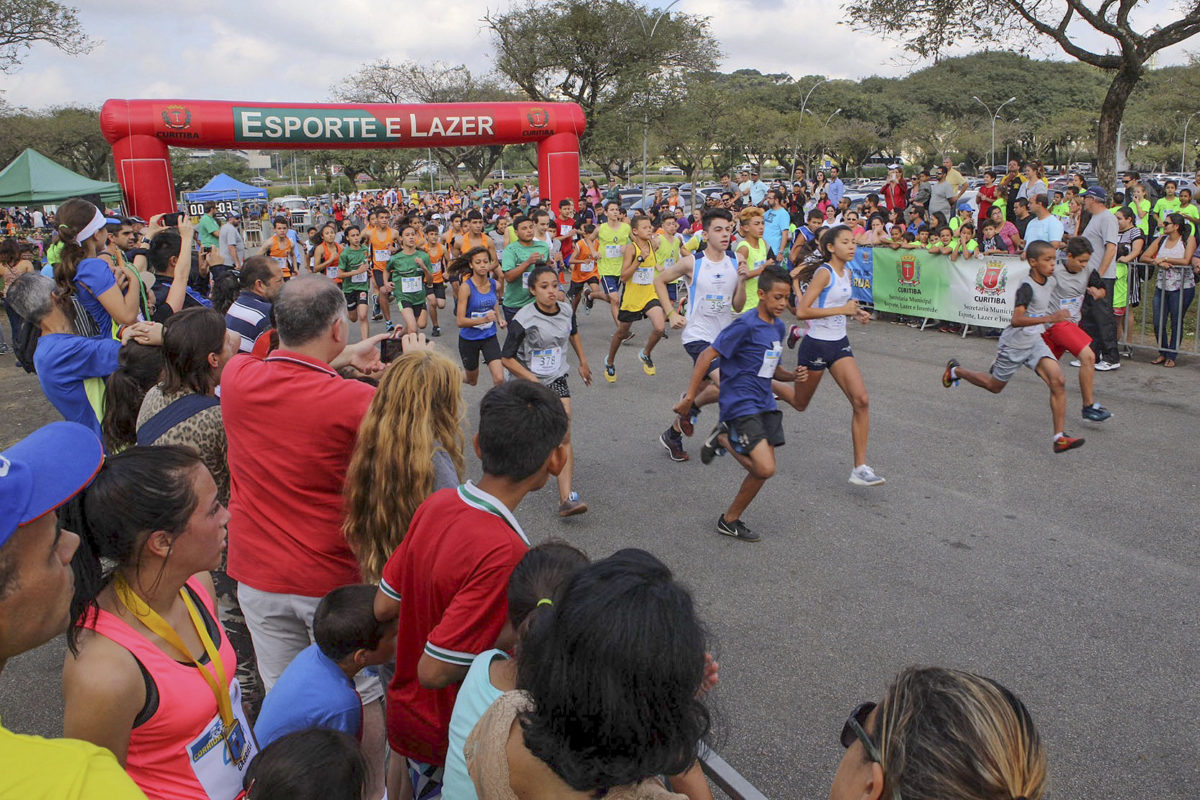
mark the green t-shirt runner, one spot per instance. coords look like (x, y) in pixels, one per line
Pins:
(209, 231)
(516, 293)
(351, 260)
(409, 271)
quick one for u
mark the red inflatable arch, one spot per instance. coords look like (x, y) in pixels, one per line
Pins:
(140, 130)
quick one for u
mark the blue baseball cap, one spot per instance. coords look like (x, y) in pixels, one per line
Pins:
(964, 206)
(44, 470)
(1096, 192)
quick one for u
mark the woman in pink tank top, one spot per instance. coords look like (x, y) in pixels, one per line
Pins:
(150, 674)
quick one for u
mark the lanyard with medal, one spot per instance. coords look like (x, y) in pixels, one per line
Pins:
(146, 615)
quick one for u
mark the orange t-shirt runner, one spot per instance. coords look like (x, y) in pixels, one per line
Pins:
(583, 257)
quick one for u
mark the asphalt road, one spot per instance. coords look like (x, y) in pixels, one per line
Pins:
(1073, 579)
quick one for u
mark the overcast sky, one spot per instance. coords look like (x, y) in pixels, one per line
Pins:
(294, 50)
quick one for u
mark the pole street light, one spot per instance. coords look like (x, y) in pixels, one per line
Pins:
(992, 152)
(646, 114)
(1183, 153)
(804, 103)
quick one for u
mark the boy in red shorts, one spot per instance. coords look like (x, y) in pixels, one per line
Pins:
(1071, 281)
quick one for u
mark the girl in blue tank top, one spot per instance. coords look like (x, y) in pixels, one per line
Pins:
(478, 315)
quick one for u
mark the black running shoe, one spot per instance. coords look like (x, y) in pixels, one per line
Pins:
(710, 448)
(737, 529)
(672, 440)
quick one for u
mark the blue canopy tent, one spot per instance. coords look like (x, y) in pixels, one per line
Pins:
(223, 187)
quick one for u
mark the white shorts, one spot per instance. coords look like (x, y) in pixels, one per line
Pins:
(281, 626)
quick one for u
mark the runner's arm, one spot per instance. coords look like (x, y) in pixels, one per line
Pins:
(628, 263)
(669, 275)
(508, 354)
(585, 371)
(103, 694)
(804, 309)
(698, 372)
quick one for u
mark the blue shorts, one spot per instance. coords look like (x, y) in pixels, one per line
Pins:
(611, 284)
(673, 291)
(694, 349)
(817, 354)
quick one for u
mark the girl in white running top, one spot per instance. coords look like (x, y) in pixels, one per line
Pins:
(825, 302)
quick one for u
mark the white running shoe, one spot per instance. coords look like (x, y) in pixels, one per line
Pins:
(1075, 363)
(1107, 366)
(865, 476)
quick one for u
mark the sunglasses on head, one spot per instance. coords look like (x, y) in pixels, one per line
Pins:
(854, 729)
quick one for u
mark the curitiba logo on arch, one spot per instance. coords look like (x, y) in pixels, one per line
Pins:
(263, 125)
(910, 271)
(992, 278)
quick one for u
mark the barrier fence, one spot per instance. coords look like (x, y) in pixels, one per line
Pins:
(980, 291)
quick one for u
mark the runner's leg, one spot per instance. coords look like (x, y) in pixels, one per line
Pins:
(847, 375)
(567, 475)
(659, 320)
(1049, 371)
(759, 465)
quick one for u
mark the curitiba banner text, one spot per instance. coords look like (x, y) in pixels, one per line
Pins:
(976, 291)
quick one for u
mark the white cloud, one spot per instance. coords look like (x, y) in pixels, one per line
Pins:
(295, 50)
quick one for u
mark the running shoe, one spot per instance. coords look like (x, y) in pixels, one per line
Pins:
(437, 331)
(587, 298)
(865, 476)
(3, 348)
(376, 313)
(688, 424)
(1096, 413)
(947, 379)
(610, 372)
(992, 333)
(914, 323)
(795, 333)
(1075, 363)
(1065, 443)
(711, 448)
(647, 364)
(673, 441)
(665, 335)
(572, 506)
(389, 326)
(628, 336)
(737, 529)
(951, 327)
(1107, 366)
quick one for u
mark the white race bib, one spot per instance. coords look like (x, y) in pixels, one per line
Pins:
(436, 269)
(219, 773)
(546, 362)
(382, 255)
(332, 272)
(411, 285)
(565, 230)
(643, 276)
(714, 303)
(770, 361)
(668, 263)
(1072, 304)
(480, 315)
(587, 266)
(758, 264)
(357, 280)
(612, 251)
(525, 278)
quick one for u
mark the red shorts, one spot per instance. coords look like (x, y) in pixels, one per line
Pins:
(1065, 337)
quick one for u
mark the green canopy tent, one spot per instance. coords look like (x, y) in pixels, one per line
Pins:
(33, 179)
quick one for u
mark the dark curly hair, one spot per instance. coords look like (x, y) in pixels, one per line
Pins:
(614, 673)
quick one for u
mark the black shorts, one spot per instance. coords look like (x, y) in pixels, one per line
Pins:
(469, 350)
(355, 299)
(577, 286)
(438, 290)
(694, 349)
(746, 432)
(509, 312)
(634, 316)
(817, 354)
(417, 308)
(559, 386)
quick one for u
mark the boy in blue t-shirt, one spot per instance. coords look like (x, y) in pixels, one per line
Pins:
(317, 688)
(751, 424)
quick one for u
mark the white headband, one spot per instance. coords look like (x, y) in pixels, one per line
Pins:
(90, 229)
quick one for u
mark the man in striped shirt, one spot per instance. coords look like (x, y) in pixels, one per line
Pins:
(250, 315)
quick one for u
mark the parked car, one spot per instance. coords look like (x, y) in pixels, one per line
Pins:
(299, 211)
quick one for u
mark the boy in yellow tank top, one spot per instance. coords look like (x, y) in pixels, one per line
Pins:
(612, 237)
(639, 300)
(752, 251)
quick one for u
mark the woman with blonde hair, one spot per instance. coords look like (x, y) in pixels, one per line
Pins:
(941, 733)
(410, 445)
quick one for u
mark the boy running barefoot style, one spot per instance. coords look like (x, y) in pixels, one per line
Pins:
(410, 270)
(352, 267)
(638, 300)
(1021, 344)
(535, 350)
(478, 312)
(715, 285)
(519, 258)
(751, 424)
(826, 300)
(1072, 279)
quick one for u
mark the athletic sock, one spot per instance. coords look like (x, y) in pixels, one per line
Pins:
(1059, 435)
(954, 373)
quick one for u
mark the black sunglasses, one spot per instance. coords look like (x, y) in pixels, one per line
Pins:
(855, 729)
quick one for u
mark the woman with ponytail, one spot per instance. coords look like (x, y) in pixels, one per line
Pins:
(80, 272)
(150, 672)
(138, 368)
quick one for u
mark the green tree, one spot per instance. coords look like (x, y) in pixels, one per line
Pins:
(70, 136)
(605, 55)
(24, 23)
(929, 27)
(192, 173)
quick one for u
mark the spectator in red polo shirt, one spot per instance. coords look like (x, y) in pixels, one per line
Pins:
(291, 420)
(452, 571)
